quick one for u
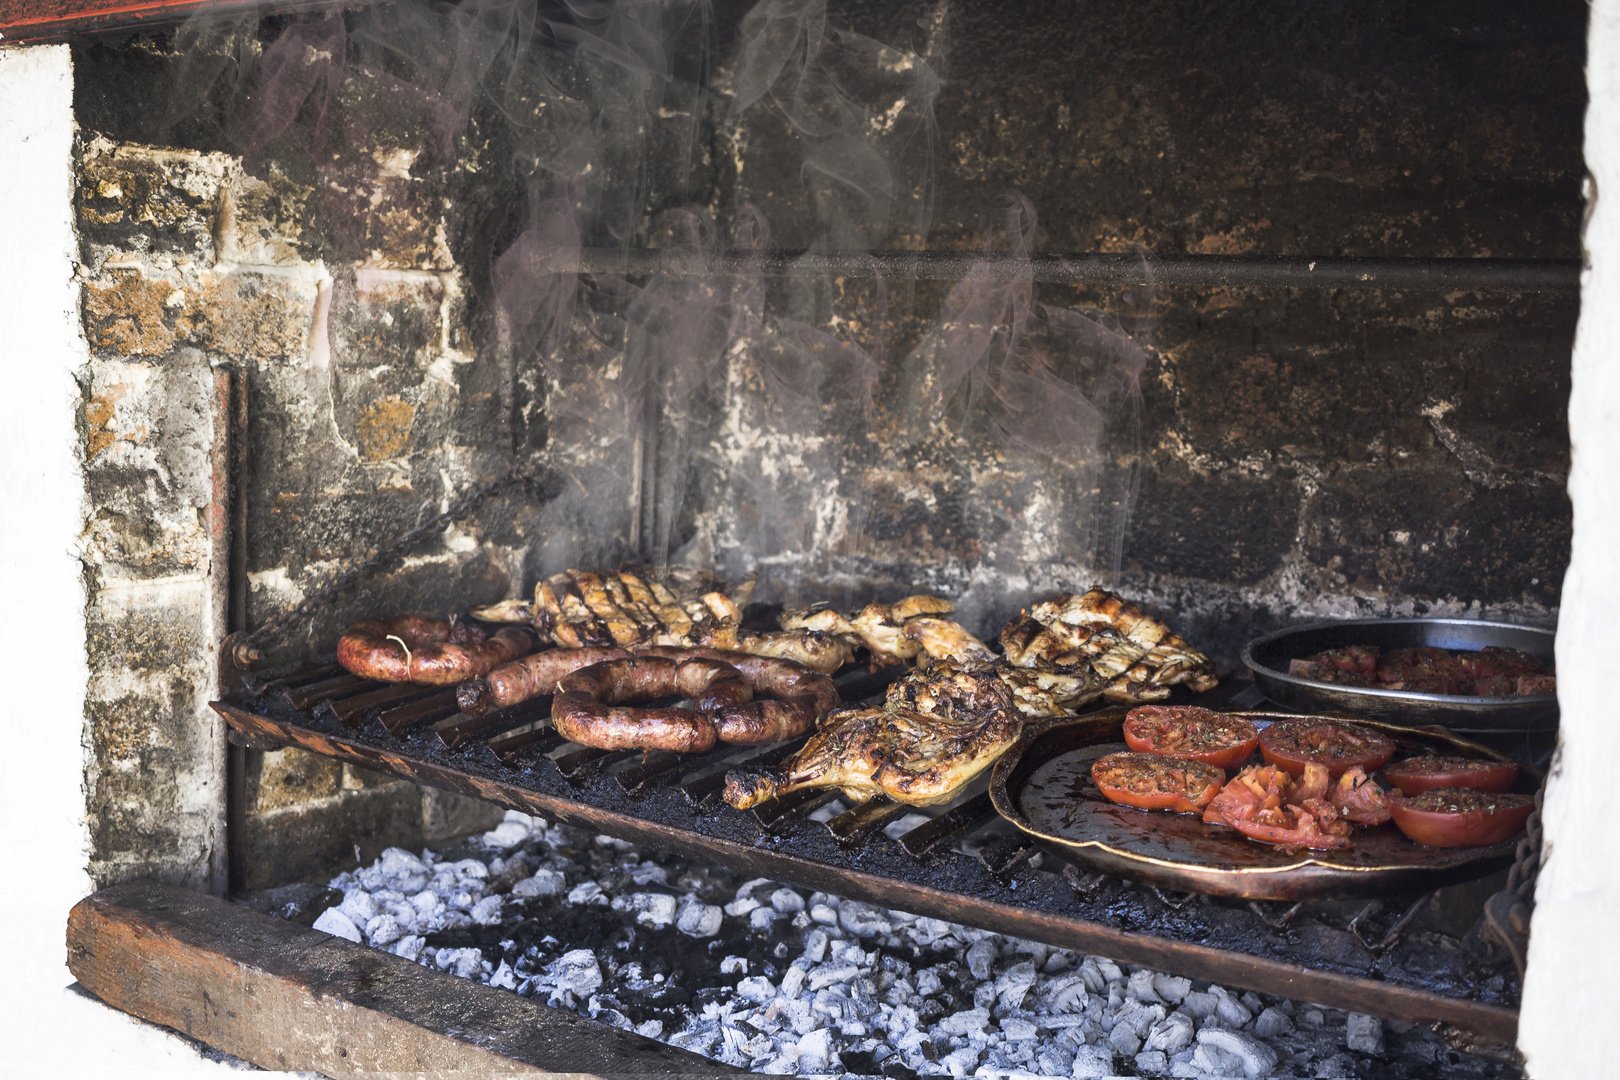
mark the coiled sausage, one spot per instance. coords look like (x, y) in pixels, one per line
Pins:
(803, 697)
(590, 704)
(427, 650)
(529, 677)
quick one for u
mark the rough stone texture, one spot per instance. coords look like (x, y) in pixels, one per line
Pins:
(383, 262)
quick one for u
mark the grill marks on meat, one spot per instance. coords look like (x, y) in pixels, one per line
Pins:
(937, 730)
(634, 610)
(427, 650)
(1128, 656)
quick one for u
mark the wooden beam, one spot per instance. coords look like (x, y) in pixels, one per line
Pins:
(289, 998)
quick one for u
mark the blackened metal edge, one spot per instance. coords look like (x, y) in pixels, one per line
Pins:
(949, 886)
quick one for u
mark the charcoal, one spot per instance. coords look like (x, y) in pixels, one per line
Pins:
(763, 977)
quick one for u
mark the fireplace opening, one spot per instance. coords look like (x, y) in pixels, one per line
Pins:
(1253, 319)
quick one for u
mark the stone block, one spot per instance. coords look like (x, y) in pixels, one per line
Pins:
(263, 223)
(160, 201)
(446, 815)
(149, 432)
(313, 839)
(154, 799)
(278, 779)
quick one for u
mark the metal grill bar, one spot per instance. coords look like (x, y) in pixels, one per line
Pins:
(539, 738)
(853, 826)
(953, 823)
(493, 724)
(850, 855)
(326, 689)
(352, 710)
(427, 710)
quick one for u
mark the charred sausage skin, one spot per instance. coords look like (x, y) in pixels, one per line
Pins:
(529, 677)
(803, 697)
(427, 650)
(590, 704)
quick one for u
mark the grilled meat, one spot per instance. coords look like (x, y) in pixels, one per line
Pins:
(1138, 656)
(592, 706)
(427, 650)
(1048, 691)
(937, 730)
(634, 610)
(880, 628)
(529, 677)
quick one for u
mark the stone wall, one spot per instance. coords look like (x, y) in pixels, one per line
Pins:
(186, 271)
(382, 258)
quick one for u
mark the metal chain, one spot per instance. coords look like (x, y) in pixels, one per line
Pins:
(247, 647)
(1527, 856)
(1506, 919)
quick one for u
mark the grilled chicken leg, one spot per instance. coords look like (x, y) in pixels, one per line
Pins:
(937, 730)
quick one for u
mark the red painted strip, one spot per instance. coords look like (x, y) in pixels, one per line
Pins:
(50, 20)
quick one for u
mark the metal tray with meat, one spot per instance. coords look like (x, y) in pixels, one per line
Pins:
(1044, 787)
(1269, 658)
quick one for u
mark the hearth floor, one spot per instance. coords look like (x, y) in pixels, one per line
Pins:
(759, 975)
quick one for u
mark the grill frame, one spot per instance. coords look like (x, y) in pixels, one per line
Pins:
(677, 810)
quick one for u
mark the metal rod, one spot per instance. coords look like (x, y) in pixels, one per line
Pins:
(351, 711)
(930, 834)
(1102, 268)
(339, 686)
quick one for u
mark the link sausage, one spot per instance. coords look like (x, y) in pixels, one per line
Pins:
(804, 697)
(532, 676)
(427, 650)
(589, 707)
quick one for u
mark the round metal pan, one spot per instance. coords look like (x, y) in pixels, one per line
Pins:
(1043, 786)
(1268, 658)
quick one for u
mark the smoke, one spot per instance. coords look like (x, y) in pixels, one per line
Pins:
(708, 411)
(1056, 391)
(862, 113)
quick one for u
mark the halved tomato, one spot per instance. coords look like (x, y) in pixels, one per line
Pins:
(1156, 782)
(1187, 731)
(1419, 774)
(1290, 744)
(1456, 817)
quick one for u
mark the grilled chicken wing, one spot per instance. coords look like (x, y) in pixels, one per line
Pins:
(943, 639)
(937, 730)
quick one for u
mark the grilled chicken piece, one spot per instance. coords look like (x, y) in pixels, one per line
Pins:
(881, 628)
(1048, 691)
(938, 729)
(943, 639)
(814, 649)
(636, 611)
(1138, 656)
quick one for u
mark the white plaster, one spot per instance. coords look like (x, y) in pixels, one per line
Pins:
(1570, 1008)
(50, 1031)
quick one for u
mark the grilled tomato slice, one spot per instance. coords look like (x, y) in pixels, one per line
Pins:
(1156, 782)
(1419, 774)
(1457, 817)
(1187, 731)
(1290, 744)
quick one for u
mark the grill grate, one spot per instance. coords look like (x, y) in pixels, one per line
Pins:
(1009, 884)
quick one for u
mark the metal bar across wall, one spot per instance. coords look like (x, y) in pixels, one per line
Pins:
(1101, 268)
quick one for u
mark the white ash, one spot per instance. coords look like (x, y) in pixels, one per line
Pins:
(765, 976)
